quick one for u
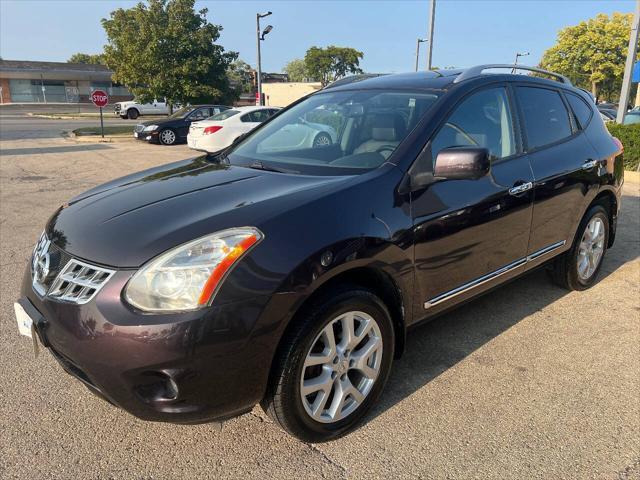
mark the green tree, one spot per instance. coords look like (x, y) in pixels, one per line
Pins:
(167, 49)
(297, 70)
(328, 64)
(240, 76)
(97, 59)
(593, 53)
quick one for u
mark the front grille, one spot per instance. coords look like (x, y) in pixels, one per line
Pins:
(79, 282)
(56, 275)
(116, 107)
(139, 128)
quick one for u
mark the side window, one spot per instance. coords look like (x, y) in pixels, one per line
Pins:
(581, 110)
(246, 118)
(200, 114)
(260, 115)
(546, 119)
(481, 120)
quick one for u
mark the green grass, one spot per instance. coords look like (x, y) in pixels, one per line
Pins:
(123, 130)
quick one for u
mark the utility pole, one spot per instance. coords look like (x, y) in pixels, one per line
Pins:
(515, 64)
(432, 17)
(420, 40)
(628, 67)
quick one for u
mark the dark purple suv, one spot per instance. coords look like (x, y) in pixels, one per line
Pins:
(288, 275)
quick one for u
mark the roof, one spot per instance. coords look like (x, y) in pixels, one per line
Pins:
(250, 108)
(44, 67)
(439, 79)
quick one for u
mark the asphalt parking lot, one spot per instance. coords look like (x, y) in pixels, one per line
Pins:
(529, 381)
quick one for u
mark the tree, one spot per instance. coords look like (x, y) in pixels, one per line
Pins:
(593, 53)
(240, 76)
(97, 59)
(167, 49)
(328, 64)
(297, 70)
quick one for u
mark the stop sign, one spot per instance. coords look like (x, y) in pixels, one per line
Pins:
(100, 98)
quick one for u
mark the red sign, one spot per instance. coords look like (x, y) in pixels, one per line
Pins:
(100, 98)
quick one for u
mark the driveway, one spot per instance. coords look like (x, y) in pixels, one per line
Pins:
(529, 381)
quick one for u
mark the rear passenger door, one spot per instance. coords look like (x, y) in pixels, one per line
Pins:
(563, 167)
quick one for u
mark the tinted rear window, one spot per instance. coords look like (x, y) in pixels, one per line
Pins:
(581, 110)
(545, 116)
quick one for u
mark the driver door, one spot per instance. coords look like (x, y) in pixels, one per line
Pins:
(470, 232)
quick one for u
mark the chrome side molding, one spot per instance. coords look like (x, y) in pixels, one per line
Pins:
(493, 275)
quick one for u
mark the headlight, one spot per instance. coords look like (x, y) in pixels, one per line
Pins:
(187, 277)
(150, 128)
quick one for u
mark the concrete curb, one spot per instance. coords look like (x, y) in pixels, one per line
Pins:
(630, 176)
(98, 139)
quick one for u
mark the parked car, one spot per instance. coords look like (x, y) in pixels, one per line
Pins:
(175, 128)
(631, 118)
(133, 109)
(221, 130)
(290, 277)
(608, 113)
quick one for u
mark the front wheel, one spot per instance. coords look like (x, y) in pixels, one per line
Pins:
(578, 268)
(133, 113)
(322, 139)
(167, 136)
(332, 366)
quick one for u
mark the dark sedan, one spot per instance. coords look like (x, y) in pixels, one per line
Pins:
(175, 128)
(288, 274)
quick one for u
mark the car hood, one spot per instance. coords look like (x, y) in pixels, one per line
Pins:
(128, 221)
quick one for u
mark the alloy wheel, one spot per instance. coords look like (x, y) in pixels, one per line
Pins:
(322, 140)
(168, 137)
(591, 248)
(341, 367)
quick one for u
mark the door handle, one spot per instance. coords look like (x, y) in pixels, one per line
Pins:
(523, 187)
(590, 164)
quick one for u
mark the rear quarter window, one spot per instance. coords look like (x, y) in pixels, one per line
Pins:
(546, 118)
(581, 110)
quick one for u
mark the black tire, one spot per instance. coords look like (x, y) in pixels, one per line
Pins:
(322, 139)
(283, 402)
(564, 270)
(167, 136)
(133, 113)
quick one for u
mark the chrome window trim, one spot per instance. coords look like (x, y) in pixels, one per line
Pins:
(492, 275)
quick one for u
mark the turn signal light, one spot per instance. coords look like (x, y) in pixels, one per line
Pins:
(210, 130)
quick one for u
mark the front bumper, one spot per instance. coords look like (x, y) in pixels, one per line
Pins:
(151, 137)
(184, 368)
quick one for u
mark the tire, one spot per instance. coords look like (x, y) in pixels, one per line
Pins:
(568, 269)
(133, 113)
(167, 136)
(284, 401)
(322, 139)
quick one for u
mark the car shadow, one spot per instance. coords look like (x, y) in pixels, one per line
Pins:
(46, 150)
(436, 346)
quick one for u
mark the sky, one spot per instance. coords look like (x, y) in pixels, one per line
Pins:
(467, 32)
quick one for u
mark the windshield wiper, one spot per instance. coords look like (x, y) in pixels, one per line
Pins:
(261, 166)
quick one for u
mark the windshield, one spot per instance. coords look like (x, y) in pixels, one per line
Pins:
(335, 133)
(183, 112)
(223, 115)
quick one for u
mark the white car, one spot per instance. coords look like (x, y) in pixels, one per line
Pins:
(219, 131)
(132, 109)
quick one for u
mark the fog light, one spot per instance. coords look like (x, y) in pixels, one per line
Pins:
(161, 387)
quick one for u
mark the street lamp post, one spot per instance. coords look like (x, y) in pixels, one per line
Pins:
(518, 55)
(260, 37)
(420, 40)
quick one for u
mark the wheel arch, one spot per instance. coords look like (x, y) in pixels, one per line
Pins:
(609, 201)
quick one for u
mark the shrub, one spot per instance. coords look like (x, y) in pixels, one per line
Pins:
(629, 135)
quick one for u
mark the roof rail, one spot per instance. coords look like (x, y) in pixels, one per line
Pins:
(478, 69)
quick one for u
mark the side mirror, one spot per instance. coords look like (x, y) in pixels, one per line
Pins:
(462, 163)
